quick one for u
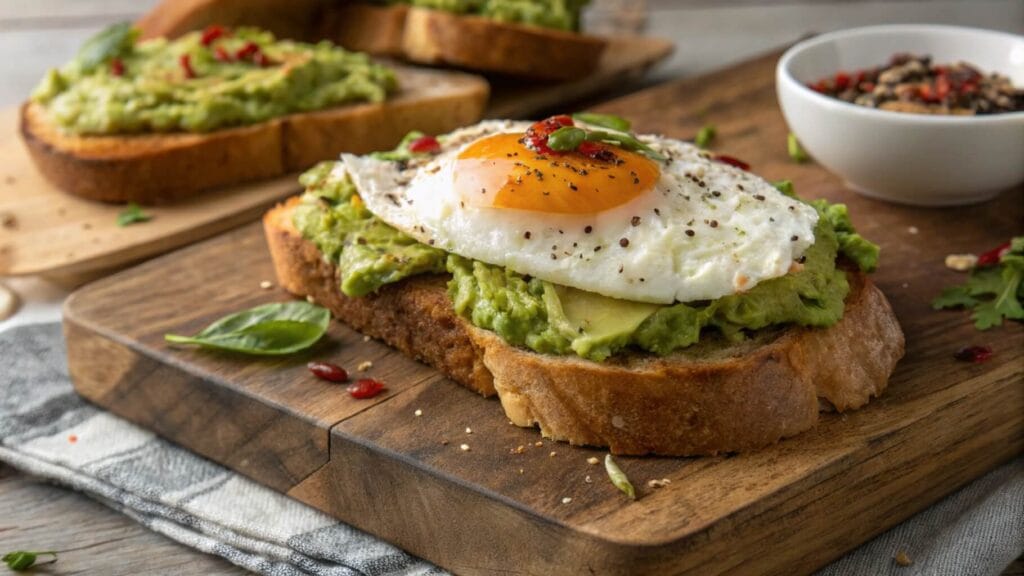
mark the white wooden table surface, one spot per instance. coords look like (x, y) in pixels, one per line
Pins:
(44, 33)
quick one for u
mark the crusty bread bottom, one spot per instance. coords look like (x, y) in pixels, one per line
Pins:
(710, 398)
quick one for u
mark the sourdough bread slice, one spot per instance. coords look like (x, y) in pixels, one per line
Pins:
(713, 397)
(161, 168)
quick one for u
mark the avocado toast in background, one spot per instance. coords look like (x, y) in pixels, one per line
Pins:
(155, 121)
(526, 38)
(615, 290)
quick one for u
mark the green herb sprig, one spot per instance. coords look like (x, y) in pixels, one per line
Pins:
(132, 214)
(796, 152)
(21, 560)
(113, 41)
(609, 121)
(618, 477)
(705, 136)
(993, 293)
(267, 330)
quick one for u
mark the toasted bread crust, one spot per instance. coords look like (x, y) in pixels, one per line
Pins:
(477, 43)
(366, 27)
(710, 398)
(162, 168)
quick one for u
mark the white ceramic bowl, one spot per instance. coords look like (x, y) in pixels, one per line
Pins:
(908, 158)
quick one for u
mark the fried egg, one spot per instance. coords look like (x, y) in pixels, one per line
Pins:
(681, 230)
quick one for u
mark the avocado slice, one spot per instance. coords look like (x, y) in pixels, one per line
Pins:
(596, 324)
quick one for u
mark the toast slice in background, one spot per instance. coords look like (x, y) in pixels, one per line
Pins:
(416, 34)
(161, 168)
(713, 397)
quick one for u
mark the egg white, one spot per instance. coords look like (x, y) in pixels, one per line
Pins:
(738, 239)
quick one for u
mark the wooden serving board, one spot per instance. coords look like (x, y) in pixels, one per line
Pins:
(787, 509)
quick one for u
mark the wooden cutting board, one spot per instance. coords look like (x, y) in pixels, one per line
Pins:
(788, 509)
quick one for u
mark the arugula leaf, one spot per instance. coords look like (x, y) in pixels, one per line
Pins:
(610, 121)
(994, 293)
(132, 214)
(115, 40)
(704, 136)
(270, 329)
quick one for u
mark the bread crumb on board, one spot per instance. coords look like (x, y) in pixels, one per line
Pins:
(364, 366)
(913, 230)
(659, 483)
(464, 447)
(418, 412)
(961, 262)
(266, 285)
(566, 500)
(593, 461)
(903, 559)
(469, 430)
(366, 338)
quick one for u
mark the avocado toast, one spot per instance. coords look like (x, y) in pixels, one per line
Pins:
(614, 290)
(155, 121)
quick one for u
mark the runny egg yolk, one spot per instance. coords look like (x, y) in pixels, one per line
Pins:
(501, 172)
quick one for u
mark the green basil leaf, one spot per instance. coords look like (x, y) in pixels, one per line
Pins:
(115, 40)
(704, 136)
(566, 138)
(270, 329)
(132, 214)
(610, 121)
(786, 187)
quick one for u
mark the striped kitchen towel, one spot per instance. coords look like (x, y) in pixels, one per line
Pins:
(48, 431)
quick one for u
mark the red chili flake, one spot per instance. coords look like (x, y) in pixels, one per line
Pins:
(596, 151)
(262, 60)
(425, 145)
(365, 388)
(842, 81)
(248, 51)
(212, 33)
(537, 134)
(991, 258)
(72, 438)
(732, 161)
(186, 64)
(941, 87)
(221, 54)
(328, 371)
(976, 354)
(117, 67)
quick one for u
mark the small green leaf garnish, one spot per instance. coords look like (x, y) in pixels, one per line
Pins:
(994, 293)
(115, 40)
(566, 138)
(132, 214)
(21, 560)
(401, 152)
(270, 329)
(704, 136)
(626, 141)
(796, 152)
(609, 121)
(618, 477)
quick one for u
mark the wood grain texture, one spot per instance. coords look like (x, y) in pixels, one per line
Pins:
(494, 508)
(37, 516)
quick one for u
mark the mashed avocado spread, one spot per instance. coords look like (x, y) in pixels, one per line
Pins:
(558, 14)
(554, 319)
(203, 81)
